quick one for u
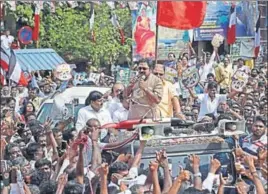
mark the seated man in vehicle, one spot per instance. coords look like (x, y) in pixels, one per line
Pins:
(93, 109)
(113, 103)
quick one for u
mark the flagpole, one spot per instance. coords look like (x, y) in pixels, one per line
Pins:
(37, 44)
(156, 36)
(156, 44)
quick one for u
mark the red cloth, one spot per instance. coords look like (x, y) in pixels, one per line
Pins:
(128, 124)
(122, 36)
(231, 33)
(36, 24)
(183, 15)
(257, 37)
(83, 140)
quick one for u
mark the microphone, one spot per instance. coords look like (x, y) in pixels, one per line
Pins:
(143, 77)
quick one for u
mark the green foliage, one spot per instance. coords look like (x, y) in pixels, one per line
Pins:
(67, 31)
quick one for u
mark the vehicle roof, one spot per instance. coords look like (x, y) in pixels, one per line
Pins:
(78, 92)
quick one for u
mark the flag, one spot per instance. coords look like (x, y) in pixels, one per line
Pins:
(4, 60)
(231, 33)
(111, 4)
(115, 22)
(36, 22)
(183, 15)
(257, 37)
(14, 71)
(91, 22)
(10, 65)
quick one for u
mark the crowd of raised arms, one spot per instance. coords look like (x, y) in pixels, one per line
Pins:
(77, 155)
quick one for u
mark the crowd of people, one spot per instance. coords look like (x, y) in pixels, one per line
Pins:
(78, 155)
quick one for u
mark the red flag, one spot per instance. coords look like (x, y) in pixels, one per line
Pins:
(231, 33)
(257, 37)
(183, 15)
(36, 23)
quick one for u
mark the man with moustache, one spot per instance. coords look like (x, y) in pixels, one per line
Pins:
(146, 92)
(169, 105)
(93, 109)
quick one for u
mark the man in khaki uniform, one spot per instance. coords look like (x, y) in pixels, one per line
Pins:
(146, 92)
(169, 105)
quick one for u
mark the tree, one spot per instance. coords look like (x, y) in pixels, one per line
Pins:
(67, 31)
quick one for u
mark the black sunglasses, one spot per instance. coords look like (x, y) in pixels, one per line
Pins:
(143, 68)
(158, 74)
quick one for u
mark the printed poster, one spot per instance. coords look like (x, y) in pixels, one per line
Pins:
(217, 19)
(170, 74)
(123, 76)
(144, 32)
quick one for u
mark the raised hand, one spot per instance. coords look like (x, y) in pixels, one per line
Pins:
(104, 169)
(214, 165)
(47, 125)
(222, 180)
(195, 161)
(249, 160)
(161, 158)
(239, 152)
(142, 84)
(153, 166)
(242, 187)
(184, 175)
(63, 179)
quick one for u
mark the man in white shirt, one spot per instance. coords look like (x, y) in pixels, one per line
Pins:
(121, 114)
(6, 40)
(211, 100)
(94, 110)
(242, 67)
(115, 104)
(207, 68)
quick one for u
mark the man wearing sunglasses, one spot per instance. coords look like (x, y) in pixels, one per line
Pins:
(170, 101)
(146, 92)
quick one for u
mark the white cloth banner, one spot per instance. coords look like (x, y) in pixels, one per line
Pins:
(247, 48)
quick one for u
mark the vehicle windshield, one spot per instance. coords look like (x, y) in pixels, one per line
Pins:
(47, 111)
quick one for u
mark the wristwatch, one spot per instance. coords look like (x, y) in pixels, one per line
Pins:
(198, 174)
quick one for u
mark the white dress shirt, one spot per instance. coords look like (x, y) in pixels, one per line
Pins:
(207, 106)
(6, 41)
(120, 114)
(114, 105)
(88, 112)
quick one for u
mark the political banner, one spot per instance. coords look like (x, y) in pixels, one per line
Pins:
(123, 76)
(217, 19)
(170, 74)
(190, 77)
(239, 81)
(63, 72)
(241, 48)
(95, 77)
(106, 81)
